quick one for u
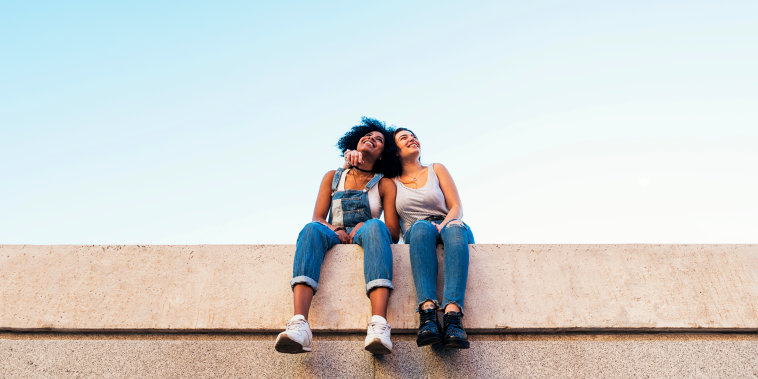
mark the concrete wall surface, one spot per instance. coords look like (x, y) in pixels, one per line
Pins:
(245, 288)
(494, 356)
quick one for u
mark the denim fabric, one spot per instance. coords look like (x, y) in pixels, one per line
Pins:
(375, 239)
(347, 208)
(423, 239)
(312, 244)
(350, 207)
(316, 239)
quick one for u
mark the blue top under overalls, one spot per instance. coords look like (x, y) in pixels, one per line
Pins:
(350, 207)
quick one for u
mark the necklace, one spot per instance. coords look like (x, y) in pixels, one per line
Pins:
(413, 180)
(361, 170)
(415, 177)
(359, 181)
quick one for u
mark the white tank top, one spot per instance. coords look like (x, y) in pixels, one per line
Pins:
(415, 204)
(374, 200)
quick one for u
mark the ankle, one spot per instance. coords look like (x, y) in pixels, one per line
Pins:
(427, 305)
(452, 308)
(379, 319)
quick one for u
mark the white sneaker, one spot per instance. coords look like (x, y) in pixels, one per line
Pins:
(378, 336)
(297, 338)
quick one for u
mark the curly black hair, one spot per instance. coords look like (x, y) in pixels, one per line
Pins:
(389, 162)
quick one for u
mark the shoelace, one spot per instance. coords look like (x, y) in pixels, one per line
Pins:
(377, 328)
(296, 324)
(427, 316)
(454, 322)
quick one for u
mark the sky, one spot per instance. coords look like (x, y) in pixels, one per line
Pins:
(193, 122)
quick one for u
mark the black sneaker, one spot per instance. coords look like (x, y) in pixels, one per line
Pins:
(429, 328)
(455, 336)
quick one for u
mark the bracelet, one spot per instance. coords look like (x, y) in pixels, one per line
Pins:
(338, 229)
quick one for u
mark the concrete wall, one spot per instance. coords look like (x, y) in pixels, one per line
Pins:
(490, 356)
(213, 311)
(245, 288)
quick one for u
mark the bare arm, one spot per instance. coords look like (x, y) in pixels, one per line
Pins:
(388, 192)
(323, 203)
(450, 191)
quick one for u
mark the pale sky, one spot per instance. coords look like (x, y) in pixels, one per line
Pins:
(561, 122)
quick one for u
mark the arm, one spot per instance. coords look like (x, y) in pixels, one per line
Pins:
(450, 191)
(388, 192)
(323, 202)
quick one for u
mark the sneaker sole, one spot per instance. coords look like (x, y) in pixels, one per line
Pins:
(288, 346)
(376, 347)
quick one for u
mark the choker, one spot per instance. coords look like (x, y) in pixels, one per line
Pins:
(362, 170)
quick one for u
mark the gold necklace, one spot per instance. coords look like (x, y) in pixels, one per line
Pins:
(414, 180)
(363, 179)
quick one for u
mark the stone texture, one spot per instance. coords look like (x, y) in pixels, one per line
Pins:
(583, 355)
(245, 288)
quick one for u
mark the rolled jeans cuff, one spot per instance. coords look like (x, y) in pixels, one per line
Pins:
(378, 283)
(302, 279)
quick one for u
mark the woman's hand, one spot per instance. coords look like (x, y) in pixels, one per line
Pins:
(342, 235)
(340, 232)
(355, 230)
(353, 157)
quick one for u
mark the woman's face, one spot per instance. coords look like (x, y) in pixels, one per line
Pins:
(371, 144)
(407, 143)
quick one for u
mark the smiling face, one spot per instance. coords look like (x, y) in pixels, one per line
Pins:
(407, 144)
(372, 144)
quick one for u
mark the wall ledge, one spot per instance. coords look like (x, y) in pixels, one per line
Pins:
(244, 288)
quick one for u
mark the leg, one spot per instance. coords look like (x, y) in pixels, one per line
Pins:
(302, 295)
(455, 237)
(379, 298)
(422, 237)
(375, 239)
(312, 244)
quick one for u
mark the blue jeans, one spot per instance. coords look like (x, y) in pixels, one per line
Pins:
(423, 238)
(316, 239)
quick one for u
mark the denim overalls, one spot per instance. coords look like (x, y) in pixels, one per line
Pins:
(349, 208)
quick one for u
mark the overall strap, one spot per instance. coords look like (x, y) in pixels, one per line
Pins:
(336, 180)
(374, 180)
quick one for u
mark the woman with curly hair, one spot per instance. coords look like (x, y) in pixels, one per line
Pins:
(430, 210)
(348, 206)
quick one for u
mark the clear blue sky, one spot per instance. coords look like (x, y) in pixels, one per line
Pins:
(561, 122)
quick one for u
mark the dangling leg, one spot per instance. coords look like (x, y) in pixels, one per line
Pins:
(422, 237)
(375, 239)
(455, 237)
(312, 244)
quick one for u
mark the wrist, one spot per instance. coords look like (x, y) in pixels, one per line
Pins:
(338, 228)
